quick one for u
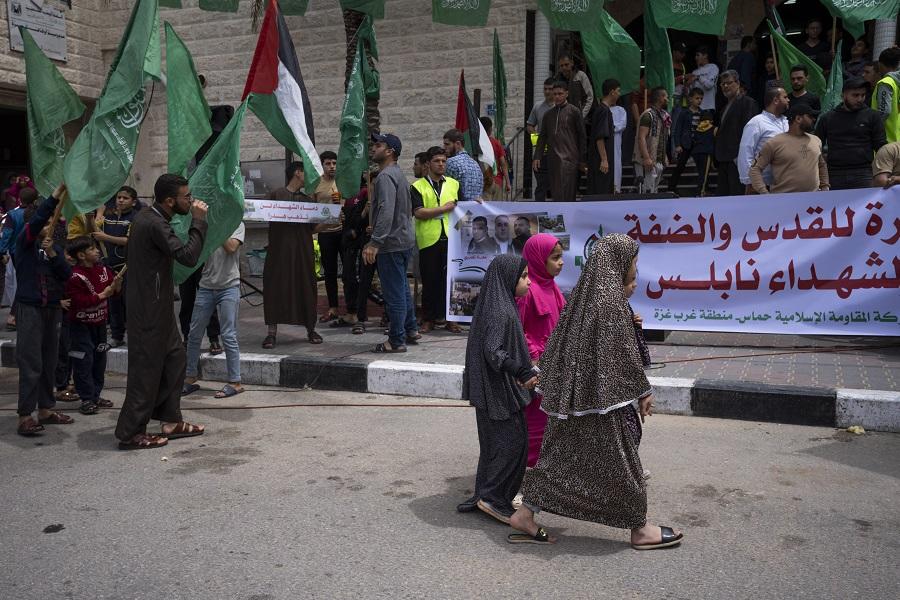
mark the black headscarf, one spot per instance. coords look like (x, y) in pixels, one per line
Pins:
(592, 363)
(496, 350)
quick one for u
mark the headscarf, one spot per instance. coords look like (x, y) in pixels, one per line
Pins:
(591, 363)
(544, 297)
(494, 336)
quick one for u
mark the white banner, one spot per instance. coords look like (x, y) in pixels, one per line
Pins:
(290, 212)
(814, 263)
(46, 24)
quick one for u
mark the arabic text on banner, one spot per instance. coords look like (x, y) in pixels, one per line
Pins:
(289, 212)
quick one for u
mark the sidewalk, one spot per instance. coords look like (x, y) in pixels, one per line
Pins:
(828, 381)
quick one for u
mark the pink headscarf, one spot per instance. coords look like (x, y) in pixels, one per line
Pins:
(544, 297)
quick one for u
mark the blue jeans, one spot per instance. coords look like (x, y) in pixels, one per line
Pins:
(398, 300)
(207, 301)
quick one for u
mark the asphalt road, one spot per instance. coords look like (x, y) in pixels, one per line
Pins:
(358, 502)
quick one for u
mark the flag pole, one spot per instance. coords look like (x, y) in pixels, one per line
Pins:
(775, 56)
(56, 213)
(833, 36)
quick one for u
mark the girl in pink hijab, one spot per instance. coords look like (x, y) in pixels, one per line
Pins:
(539, 310)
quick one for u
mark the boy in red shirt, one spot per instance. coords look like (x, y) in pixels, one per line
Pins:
(88, 288)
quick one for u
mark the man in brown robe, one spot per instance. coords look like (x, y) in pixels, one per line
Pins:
(562, 129)
(156, 355)
(289, 277)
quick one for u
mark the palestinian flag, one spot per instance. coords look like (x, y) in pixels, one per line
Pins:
(477, 143)
(278, 96)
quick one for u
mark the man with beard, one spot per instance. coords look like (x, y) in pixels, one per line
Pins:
(759, 130)
(156, 356)
(853, 133)
(561, 145)
(522, 229)
(795, 157)
(800, 95)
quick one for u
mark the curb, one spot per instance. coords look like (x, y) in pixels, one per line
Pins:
(876, 410)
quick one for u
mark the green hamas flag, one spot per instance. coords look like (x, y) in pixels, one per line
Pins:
(188, 113)
(833, 95)
(218, 182)
(51, 103)
(103, 153)
(573, 15)
(702, 16)
(788, 55)
(373, 8)
(658, 70)
(855, 13)
(352, 154)
(611, 53)
(370, 75)
(170, 3)
(499, 91)
(293, 7)
(460, 12)
(219, 5)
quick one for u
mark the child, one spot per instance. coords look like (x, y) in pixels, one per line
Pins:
(693, 139)
(41, 273)
(539, 310)
(113, 234)
(88, 288)
(497, 376)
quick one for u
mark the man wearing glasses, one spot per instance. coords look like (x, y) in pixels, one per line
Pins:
(731, 119)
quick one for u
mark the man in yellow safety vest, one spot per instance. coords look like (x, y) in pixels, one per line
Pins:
(886, 98)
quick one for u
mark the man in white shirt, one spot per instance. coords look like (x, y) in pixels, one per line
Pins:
(759, 129)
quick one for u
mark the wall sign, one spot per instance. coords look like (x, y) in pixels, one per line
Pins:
(46, 23)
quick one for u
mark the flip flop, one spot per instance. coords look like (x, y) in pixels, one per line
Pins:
(143, 441)
(340, 322)
(189, 388)
(215, 348)
(269, 342)
(386, 348)
(486, 507)
(56, 419)
(228, 391)
(541, 537)
(358, 329)
(413, 339)
(181, 431)
(669, 538)
(314, 338)
(328, 317)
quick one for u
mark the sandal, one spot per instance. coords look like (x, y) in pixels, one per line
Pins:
(358, 329)
(215, 348)
(541, 537)
(328, 317)
(143, 441)
(10, 326)
(341, 322)
(182, 429)
(426, 326)
(228, 391)
(453, 327)
(314, 338)
(66, 396)
(56, 418)
(387, 348)
(104, 403)
(669, 538)
(413, 339)
(30, 428)
(88, 408)
(189, 388)
(269, 342)
(486, 507)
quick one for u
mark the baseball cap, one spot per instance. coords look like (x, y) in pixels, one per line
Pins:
(801, 109)
(390, 140)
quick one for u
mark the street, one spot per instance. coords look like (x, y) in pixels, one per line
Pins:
(355, 498)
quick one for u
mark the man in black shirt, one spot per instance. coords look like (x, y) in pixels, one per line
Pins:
(799, 95)
(853, 133)
(815, 47)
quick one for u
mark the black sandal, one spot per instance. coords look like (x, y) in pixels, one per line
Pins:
(413, 340)
(541, 537)
(88, 408)
(358, 329)
(341, 322)
(386, 348)
(215, 348)
(314, 338)
(269, 342)
(668, 538)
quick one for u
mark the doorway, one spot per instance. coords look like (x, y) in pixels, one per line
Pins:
(13, 144)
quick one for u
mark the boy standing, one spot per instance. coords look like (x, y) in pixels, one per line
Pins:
(113, 234)
(88, 288)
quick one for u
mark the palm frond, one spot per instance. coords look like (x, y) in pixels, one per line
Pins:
(257, 9)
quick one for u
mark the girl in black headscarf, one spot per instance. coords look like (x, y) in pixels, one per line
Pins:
(496, 382)
(593, 386)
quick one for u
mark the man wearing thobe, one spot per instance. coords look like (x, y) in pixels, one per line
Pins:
(156, 355)
(562, 144)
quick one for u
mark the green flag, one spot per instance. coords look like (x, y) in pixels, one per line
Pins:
(170, 3)
(658, 68)
(702, 16)
(855, 13)
(188, 113)
(833, 95)
(473, 13)
(370, 75)
(611, 53)
(499, 91)
(50, 103)
(218, 182)
(374, 8)
(293, 7)
(219, 5)
(788, 55)
(352, 159)
(102, 155)
(572, 15)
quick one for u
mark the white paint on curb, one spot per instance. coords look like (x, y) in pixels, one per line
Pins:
(875, 410)
(672, 395)
(117, 361)
(414, 379)
(256, 369)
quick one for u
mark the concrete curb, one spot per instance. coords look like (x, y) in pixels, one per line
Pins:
(823, 407)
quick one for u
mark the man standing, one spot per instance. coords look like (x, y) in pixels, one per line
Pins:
(738, 111)
(391, 245)
(758, 131)
(814, 46)
(886, 97)
(289, 276)
(853, 133)
(581, 94)
(796, 157)
(156, 356)
(704, 77)
(420, 165)
(329, 234)
(522, 229)
(679, 52)
(601, 150)
(744, 63)
(433, 198)
(562, 144)
(462, 167)
(799, 94)
(650, 158)
(533, 125)
(871, 74)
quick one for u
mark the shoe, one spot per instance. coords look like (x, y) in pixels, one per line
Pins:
(116, 343)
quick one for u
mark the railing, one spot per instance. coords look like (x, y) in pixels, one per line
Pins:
(515, 157)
